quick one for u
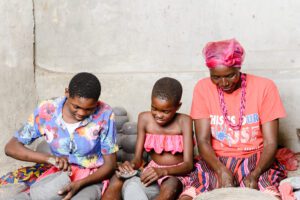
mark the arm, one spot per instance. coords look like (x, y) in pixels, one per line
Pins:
(139, 147)
(17, 150)
(104, 172)
(270, 132)
(151, 175)
(137, 161)
(203, 135)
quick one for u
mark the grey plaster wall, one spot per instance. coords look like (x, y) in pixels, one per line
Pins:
(129, 44)
(17, 89)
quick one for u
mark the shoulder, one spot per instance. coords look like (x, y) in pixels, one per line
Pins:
(260, 82)
(49, 107)
(184, 117)
(54, 101)
(144, 115)
(104, 107)
(259, 79)
(204, 84)
(103, 111)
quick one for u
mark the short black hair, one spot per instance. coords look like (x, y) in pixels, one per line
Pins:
(85, 85)
(168, 89)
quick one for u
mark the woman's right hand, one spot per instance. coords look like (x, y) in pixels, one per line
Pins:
(225, 178)
(61, 163)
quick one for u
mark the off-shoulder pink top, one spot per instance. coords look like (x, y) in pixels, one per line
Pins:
(160, 143)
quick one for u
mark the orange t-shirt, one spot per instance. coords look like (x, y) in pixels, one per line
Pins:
(263, 104)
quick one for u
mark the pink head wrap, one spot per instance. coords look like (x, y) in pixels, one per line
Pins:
(226, 52)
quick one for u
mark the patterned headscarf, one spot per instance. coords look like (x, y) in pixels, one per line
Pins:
(226, 52)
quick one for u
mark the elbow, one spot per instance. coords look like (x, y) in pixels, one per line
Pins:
(189, 167)
(8, 150)
(113, 164)
(11, 148)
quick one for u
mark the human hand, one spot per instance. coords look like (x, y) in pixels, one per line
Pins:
(251, 181)
(61, 163)
(126, 167)
(225, 178)
(152, 174)
(70, 190)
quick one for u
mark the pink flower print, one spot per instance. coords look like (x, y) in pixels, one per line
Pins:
(50, 133)
(46, 111)
(102, 123)
(93, 132)
(104, 151)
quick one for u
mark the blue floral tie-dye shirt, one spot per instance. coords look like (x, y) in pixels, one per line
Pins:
(95, 136)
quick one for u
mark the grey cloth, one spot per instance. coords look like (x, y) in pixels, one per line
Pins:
(133, 189)
(10, 190)
(20, 196)
(92, 192)
(48, 187)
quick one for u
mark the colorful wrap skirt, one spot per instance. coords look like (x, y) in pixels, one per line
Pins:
(29, 175)
(204, 178)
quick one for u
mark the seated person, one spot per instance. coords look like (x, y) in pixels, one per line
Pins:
(167, 136)
(81, 133)
(236, 117)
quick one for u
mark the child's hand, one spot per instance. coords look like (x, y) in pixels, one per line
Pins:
(152, 174)
(126, 167)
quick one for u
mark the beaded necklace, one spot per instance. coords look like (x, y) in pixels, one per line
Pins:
(242, 105)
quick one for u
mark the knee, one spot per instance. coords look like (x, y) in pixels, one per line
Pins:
(171, 188)
(115, 182)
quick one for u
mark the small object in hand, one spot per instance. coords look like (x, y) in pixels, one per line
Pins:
(52, 161)
(127, 175)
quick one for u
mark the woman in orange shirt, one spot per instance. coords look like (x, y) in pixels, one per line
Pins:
(236, 119)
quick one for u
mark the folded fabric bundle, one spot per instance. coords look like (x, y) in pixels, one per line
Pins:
(288, 158)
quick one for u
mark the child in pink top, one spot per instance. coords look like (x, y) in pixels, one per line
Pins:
(236, 124)
(167, 136)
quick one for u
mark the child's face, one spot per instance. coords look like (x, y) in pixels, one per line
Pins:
(80, 108)
(163, 111)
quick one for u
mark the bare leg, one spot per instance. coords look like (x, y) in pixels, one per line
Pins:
(170, 189)
(113, 192)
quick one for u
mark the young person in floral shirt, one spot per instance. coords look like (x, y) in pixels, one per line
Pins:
(81, 133)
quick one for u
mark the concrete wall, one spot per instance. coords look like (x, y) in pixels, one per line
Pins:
(129, 44)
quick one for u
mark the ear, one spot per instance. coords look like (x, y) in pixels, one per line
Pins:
(67, 92)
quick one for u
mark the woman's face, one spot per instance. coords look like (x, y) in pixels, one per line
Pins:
(227, 78)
